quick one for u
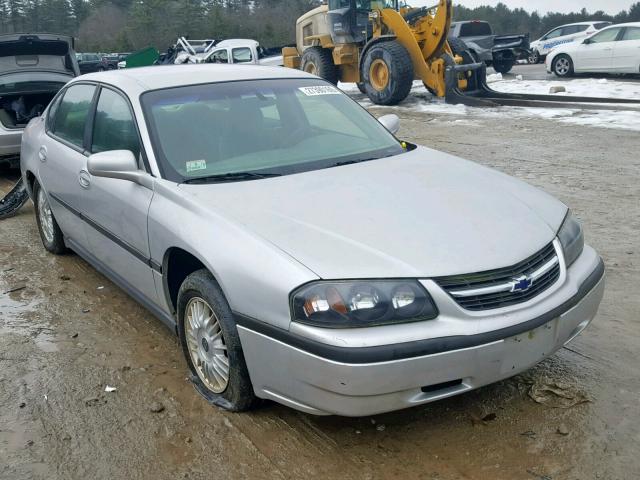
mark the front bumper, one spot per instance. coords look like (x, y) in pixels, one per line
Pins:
(322, 379)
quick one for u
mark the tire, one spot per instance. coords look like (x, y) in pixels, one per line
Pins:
(50, 233)
(362, 87)
(319, 61)
(503, 67)
(200, 289)
(387, 72)
(14, 200)
(534, 57)
(562, 66)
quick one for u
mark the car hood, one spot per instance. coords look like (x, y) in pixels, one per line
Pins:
(419, 214)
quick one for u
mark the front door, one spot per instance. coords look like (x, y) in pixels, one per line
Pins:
(117, 209)
(63, 162)
(597, 54)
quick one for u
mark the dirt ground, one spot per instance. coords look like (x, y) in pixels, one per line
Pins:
(66, 332)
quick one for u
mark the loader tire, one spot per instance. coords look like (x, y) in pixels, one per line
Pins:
(387, 72)
(319, 61)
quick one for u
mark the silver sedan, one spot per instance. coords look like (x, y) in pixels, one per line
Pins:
(301, 252)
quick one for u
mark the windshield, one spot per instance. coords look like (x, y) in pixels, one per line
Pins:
(278, 127)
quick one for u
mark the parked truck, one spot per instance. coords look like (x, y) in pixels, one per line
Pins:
(498, 51)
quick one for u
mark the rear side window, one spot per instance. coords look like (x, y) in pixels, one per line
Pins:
(631, 34)
(114, 127)
(570, 30)
(71, 115)
(601, 25)
(221, 56)
(581, 28)
(475, 29)
(241, 55)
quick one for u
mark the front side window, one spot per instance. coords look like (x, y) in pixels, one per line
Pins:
(608, 35)
(553, 34)
(71, 114)
(241, 55)
(114, 127)
(279, 127)
(631, 33)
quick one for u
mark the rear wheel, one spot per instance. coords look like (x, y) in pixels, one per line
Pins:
(50, 233)
(503, 66)
(211, 344)
(562, 66)
(319, 61)
(387, 73)
(534, 57)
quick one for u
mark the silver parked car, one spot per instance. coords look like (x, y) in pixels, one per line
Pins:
(300, 251)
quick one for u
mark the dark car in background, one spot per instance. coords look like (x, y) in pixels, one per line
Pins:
(498, 51)
(90, 62)
(110, 62)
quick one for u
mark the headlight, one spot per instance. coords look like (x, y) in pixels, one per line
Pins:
(571, 238)
(361, 303)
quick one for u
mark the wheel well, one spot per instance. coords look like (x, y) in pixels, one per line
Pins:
(31, 180)
(178, 264)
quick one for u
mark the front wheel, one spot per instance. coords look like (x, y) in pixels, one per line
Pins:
(562, 66)
(211, 344)
(387, 72)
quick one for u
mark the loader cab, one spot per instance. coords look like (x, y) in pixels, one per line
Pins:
(349, 19)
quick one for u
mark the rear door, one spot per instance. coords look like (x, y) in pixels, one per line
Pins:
(597, 55)
(117, 209)
(63, 159)
(626, 51)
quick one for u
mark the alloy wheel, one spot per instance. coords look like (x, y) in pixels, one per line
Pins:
(206, 345)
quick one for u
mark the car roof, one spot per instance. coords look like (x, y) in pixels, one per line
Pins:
(138, 80)
(236, 42)
(629, 24)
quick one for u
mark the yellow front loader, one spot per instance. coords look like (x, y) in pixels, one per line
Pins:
(382, 48)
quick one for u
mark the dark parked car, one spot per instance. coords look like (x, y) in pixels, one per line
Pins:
(110, 62)
(90, 62)
(499, 52)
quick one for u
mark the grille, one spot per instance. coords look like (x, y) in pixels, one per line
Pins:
(495, 288)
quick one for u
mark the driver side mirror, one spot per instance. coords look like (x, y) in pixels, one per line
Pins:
(120, 164)
(391, 122)
(586, 41)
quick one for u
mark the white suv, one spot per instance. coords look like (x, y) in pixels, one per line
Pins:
(561, 35)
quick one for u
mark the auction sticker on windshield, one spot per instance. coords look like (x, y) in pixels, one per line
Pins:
(319, 90)
(195, 165)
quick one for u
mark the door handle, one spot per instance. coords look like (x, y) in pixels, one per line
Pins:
(42, 153)
(607, 49)
(84, 178)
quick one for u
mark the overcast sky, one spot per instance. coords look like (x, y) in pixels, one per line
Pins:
(543, 6)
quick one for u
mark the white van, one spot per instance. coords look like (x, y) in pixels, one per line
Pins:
(561, 35)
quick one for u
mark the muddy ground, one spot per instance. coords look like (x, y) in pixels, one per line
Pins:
(66, 332)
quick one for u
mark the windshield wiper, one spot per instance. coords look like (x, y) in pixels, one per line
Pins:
(232, 177)
(359, 160)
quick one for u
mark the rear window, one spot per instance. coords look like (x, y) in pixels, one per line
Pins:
(475, 29)
(601, 25)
